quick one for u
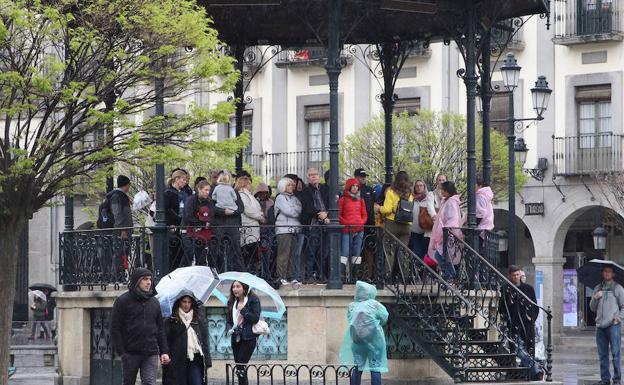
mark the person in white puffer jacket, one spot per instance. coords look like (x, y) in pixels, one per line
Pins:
(287, 211)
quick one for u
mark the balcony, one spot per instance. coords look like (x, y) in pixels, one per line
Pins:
(586, 21)
(506, 37)
(306, 57)
(589, 154)
(272, 166)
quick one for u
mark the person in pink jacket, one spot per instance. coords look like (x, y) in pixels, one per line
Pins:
(485, 210)
(449, 216)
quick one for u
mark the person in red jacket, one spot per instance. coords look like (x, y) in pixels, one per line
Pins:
(352, 215)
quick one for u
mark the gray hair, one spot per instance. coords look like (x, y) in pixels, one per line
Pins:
(281, 185)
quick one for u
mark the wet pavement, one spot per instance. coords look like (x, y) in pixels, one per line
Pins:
(576, 359)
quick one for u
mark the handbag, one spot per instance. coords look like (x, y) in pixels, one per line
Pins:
(430, 261)
(424, 219)
(261, 328)
(404, 211)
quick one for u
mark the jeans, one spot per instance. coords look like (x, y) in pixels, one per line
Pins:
(195, 370)
(347, 238)
(132, 363)
(418, 243)
(448, 271)
(242, 350)
(356, 378)
(316, 253)
(298, 253)
(605, 338)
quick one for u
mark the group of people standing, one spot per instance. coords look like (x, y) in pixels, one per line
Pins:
(179, 343)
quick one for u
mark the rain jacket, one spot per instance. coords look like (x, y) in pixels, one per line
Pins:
(137, 324)
(364, 343)
(485, 210)
(448, 216)
(352, 211)
(287, 213)
(610, 306)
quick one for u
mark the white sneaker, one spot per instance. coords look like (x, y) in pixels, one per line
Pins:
(294, 282)
(283, 282)
(344, 260)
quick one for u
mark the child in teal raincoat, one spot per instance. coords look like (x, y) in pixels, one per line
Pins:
(364, 344)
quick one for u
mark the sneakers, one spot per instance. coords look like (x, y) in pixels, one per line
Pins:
(283, 282)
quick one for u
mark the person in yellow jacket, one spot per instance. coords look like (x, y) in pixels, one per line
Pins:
(397, 223)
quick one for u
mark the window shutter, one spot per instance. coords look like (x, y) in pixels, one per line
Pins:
(316, 112)
(593, 93)
(409, 105)
(499, 109)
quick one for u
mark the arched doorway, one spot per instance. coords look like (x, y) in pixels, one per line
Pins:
(525, 250)
(574, 237)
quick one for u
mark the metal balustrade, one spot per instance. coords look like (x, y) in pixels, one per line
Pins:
(588, 154)
(587, 18)
(272, 166)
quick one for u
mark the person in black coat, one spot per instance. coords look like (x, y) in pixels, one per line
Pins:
(137, 330)
(187, 337)
(517, 312)
(243, 311)
(174, 210)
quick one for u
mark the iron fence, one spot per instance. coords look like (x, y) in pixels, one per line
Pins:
(587, 17)
(284, 374)
(272, 166)
(98, 258)
(588, 154)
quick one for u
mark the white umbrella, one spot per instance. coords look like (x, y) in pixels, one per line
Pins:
(195, 281)
(270, 301)
(38, 294)
(141, 200)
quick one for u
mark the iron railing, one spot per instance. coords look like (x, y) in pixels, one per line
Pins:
(588, 154)
(306, 56)
(98, 258)
(285, 374)
(586, 18)
(272, 166)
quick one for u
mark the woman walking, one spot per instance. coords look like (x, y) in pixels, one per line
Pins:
(449, 216)
(187, 336)
(364, 344)
(287, 211)
(424, 216)
(243, 311)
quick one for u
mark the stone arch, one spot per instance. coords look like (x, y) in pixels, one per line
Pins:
(525, 249)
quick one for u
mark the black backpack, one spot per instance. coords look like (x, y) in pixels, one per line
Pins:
(105, 219)
(404, 211)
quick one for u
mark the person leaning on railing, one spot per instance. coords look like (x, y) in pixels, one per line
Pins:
(227, 221)
(287, 212)
(251, 219)
(196, 219)
(174, 209)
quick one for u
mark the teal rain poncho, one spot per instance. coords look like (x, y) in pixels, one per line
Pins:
(364, 344)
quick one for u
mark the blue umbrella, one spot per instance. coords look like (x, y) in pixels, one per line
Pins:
(270, 300)
(196, 281)
(590, 274)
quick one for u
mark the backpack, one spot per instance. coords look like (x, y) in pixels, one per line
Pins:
(271, 217)
(105, 218)
(363, 327)
(404, 211)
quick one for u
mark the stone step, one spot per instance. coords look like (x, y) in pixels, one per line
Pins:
(27, 356)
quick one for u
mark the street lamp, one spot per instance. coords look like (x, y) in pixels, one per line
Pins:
(600, 238)
(517, 150)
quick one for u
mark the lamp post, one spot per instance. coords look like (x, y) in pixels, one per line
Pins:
(510, 71)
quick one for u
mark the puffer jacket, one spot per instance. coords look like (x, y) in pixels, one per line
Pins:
(287, 211)
(251, 218)
(352, 211)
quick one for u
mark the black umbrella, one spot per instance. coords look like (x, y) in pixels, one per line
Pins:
(41, 286)
(590, 274)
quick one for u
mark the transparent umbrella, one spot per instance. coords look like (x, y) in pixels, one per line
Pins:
(195, 281)
(270, 300)
(38, 294)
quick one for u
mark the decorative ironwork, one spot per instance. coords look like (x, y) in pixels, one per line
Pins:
(283, 374)
(98, 258)
(105, 367)
(271, 347)
(399, 344)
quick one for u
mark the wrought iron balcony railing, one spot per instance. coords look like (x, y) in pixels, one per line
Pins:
(272, 166)
(306, 56)
(579, 21)
(588, 154)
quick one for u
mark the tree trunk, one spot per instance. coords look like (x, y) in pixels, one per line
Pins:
(8, 271)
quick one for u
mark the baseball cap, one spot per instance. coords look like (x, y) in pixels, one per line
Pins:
(360, 172)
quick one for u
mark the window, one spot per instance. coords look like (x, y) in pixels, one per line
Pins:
(409, 105)
(594, 116)
(317, 121)
(499, 110)
(247, 126)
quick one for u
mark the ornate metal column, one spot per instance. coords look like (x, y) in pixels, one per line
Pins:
(470, 79)
(239, 96)
(160, 255)
(511, 160)
(333, 68)
(388, 98)
(486, 98)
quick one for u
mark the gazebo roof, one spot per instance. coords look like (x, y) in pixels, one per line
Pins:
(302, 22)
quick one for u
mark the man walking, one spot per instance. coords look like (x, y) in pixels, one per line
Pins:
(608, 303)
(515, 310)
(138, 332)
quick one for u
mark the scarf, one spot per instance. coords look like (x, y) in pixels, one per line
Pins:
(235, 311)
(355, 196)
(608, 285)
(192, 342)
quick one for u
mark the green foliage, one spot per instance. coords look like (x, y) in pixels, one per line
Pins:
(424, 145)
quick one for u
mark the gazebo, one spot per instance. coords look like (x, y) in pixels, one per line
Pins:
(389, 24)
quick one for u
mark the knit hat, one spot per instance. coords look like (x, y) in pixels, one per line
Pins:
(122, 180)
(262, 187)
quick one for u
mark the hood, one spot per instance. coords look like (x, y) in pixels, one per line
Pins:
(364, 291)
(136, 276)
(114, 191)
(350, 182)
(456, 198)
(262, 187)
(486, 192)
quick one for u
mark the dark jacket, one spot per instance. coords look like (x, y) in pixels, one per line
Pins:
(198, 213)
(309, 212)
(137, 324)
(120, 207)
(229, 220)
(176, 372)
(251, 315)
(516, 310)
(172, 207)
(368, 194)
